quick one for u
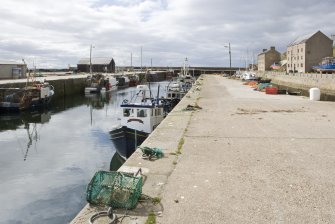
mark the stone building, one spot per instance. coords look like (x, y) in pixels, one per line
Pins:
(307, 51)
(12, 70)
(267, 58)
(100, 65)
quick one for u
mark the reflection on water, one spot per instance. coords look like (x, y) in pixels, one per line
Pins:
(116, 162)
(28, 121)
(47, 158)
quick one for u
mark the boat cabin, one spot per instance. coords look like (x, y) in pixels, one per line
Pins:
(142, 117)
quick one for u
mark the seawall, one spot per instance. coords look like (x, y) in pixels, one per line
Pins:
(303, 81)
(64, 85)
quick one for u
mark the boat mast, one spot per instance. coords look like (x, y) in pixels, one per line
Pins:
(185, 68)
(91, 58)
(158, 95)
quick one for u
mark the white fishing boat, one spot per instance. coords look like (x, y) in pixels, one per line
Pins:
(140, 116)
(100, 83)
(179, 87)
(185, 76)
(112, 83)
(175, 91)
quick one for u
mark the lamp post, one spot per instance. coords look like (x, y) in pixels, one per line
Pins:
(91, 58)
(229, 58)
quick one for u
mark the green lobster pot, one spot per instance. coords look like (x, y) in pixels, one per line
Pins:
(115, 189)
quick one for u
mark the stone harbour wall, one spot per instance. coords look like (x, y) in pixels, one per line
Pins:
(303, 81)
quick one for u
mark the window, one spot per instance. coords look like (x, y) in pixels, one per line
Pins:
(301, 49)
(141, 112)
(301, 57)
(298, 50)
(302, 65)
(288, 65)
(127, 112)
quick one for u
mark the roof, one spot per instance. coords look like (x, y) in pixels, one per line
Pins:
(95, 61)
(304, 38)
(267, 51)
(264, 52)
(11, 63)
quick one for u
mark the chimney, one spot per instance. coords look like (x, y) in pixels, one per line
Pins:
(273, 48)
(264, 50)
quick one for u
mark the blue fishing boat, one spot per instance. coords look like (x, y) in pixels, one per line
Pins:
(327, 65)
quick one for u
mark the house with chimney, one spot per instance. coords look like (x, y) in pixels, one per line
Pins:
(307, 51)
(268, 58)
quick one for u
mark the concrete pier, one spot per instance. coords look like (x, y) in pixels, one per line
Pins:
(245, 157)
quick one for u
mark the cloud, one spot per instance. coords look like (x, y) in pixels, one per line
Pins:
(58, 33)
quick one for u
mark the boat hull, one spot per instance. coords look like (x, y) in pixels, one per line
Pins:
(9, 107)
(126, 140)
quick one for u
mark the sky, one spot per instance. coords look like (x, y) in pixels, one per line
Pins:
(55, 34)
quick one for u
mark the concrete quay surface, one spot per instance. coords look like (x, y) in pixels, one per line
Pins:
(246, 157)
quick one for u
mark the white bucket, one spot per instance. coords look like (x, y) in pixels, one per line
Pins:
(314, 94)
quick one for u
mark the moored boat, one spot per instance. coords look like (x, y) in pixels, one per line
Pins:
(111, 83)
(95, 84)
(123, 81)
(327, 65)
(175, 91)
(185, 77)
(33, 96)
(140, 117)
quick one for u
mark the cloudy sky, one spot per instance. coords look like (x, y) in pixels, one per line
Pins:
(55, 33)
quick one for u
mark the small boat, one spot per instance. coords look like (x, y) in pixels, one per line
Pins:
(248, 76)
(185, 77)
(123, 81)
(133, 81)
(327, 65)
(271, 90)
(175, 91)
(294, 93)
(95, 84)
(140, 117)
(33, 96)
(111, 83)
(275, 66)
(264, 81)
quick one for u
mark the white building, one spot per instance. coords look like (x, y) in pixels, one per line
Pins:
(12, 70)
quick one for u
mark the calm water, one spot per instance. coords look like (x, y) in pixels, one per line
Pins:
(47, 159)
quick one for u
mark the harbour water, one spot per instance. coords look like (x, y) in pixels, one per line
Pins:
(47, 158)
